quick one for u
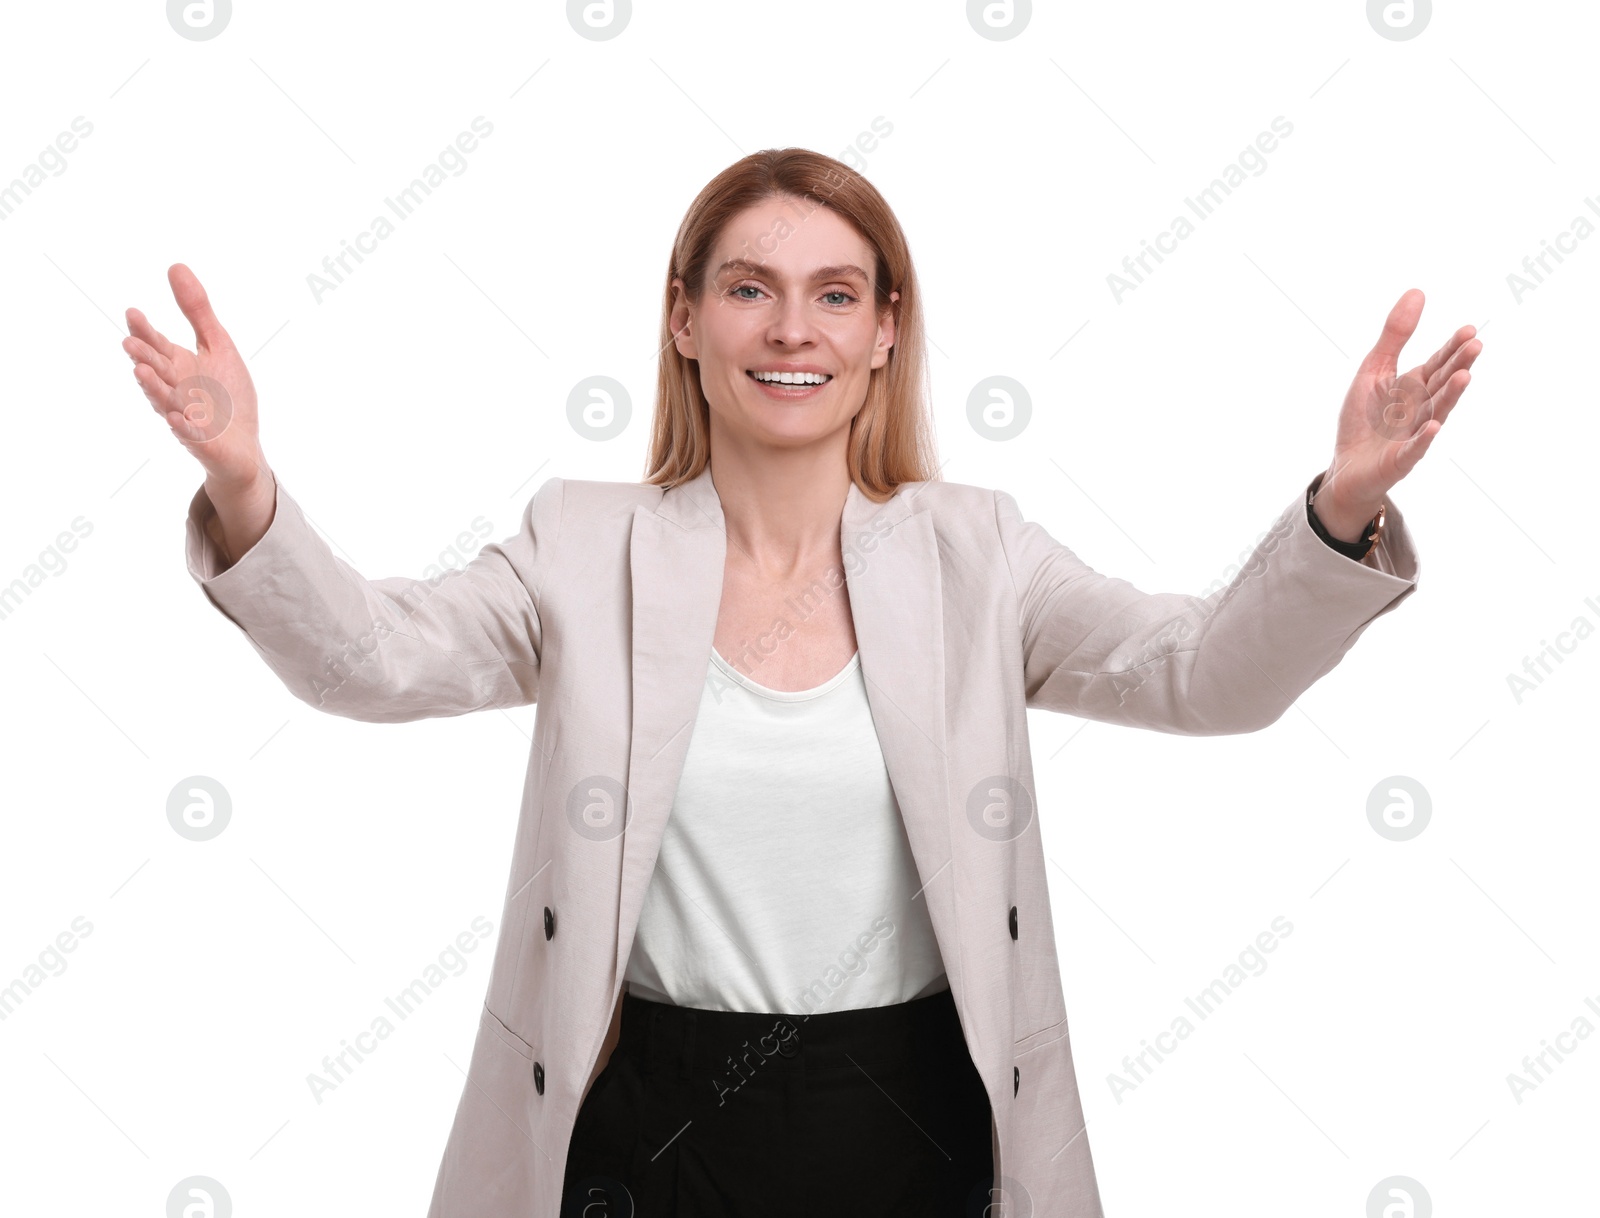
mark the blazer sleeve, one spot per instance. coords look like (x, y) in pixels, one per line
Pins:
(385, 650)
(1229, 662)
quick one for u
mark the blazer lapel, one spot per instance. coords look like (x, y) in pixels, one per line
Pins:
(676, 559)
(891, 562)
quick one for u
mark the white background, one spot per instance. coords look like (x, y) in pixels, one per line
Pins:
(430, 388)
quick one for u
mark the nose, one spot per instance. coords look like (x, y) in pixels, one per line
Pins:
(792, 325)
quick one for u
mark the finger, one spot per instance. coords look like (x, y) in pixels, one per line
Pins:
(164, 402)
(1451, 346)
(1463, 358)
(196, 305)
(140, 352)
(156, 390)
(1450, 393)
(1398, 327)
(139, 326)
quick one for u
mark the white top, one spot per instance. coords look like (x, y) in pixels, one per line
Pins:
(785, 880)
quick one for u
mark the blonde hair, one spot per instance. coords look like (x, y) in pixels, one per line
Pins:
(891, 437)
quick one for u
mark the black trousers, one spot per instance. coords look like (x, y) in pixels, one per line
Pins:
(732, 1114)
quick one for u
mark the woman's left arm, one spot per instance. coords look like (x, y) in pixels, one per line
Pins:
(1233, 661)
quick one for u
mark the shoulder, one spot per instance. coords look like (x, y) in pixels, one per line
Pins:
(586, 504)
(575, 514)
(595, 499)
(964, 518)
(955, 506)
(983, 526)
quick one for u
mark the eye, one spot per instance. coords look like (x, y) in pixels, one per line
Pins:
(848, 299)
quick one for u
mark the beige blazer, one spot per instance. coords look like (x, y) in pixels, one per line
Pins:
(602, 608)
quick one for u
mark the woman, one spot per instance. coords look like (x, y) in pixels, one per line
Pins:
(830, 971)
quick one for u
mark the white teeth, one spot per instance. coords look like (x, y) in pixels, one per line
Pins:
(792, 378)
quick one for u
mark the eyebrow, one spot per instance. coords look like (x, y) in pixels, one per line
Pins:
(744, 266)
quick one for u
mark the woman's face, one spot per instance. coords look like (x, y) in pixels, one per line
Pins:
(787, 287)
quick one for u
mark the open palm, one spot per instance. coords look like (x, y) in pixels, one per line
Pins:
(205, 395)
(1389, 419)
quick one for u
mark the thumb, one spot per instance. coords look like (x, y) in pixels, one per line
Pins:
(1398, 327)
(196, 305)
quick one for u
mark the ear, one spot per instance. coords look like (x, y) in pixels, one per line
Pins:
(681, 322)
(886, 334)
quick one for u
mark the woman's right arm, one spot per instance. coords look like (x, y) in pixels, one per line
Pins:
(385, 650)
(240, 517)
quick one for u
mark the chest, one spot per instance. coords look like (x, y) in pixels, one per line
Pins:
(786, 634)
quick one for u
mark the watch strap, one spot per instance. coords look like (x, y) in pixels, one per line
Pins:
(1357, 549)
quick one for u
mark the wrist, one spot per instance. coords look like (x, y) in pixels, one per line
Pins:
(1347, 526)
(251, 489)
(1345, 520)
(242, 514)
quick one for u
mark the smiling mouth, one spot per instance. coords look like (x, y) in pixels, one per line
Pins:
(781, 384)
